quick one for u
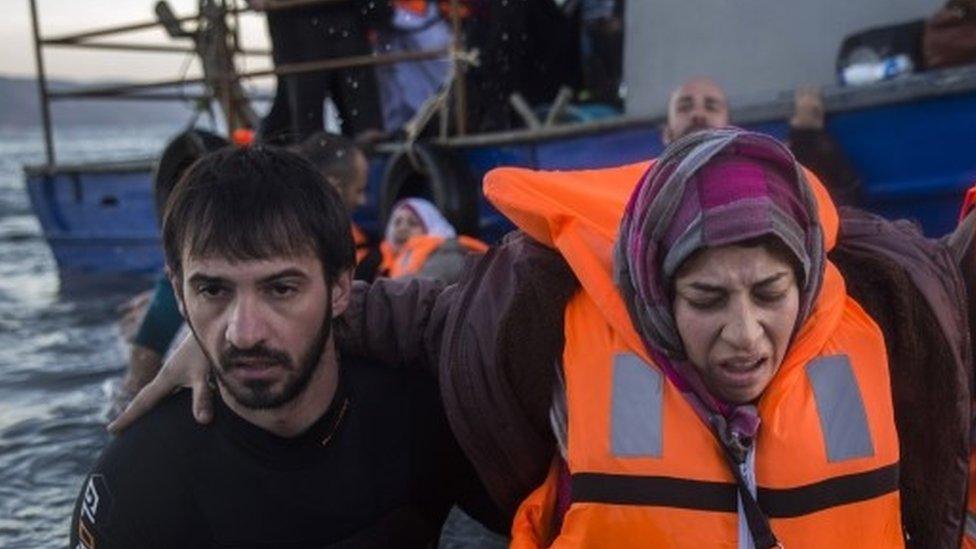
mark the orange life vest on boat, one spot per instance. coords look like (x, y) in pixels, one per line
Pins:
(418, 7)
(415, 252)
(644, 470)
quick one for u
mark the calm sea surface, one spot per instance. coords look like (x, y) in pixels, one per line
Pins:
(59, 354)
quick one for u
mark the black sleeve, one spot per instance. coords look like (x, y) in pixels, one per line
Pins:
(134, 498)
(433, 453)
(442, 474)
(816, 150)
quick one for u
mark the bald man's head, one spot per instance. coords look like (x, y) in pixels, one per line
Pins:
(697, 105)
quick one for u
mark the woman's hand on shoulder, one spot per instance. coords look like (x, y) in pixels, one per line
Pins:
(186, 367)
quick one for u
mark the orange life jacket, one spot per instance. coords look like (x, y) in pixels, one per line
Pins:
(416, 6)
(415, 252)
(644, 470)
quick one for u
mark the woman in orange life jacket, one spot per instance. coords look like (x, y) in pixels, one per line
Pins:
(420, 241)
(344, 166)
(720, 387)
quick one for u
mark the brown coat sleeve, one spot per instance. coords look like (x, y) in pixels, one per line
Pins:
(912, 288)
(494, 339)
(396, 322)
(503, 338)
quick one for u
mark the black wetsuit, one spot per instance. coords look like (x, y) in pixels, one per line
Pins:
(374, 471)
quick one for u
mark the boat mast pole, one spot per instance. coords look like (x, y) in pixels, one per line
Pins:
(42, 87)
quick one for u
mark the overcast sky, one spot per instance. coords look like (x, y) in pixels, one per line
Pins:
(59, 17)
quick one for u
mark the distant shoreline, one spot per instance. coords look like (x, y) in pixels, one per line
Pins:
(21, 107)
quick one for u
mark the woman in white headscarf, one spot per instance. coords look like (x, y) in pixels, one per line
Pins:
(420, 241)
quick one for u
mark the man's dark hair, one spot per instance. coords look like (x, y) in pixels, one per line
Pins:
(332, 154)
(255, 203)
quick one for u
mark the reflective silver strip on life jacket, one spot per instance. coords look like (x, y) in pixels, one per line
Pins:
(843, 420)
(970, 525)
(636, 428)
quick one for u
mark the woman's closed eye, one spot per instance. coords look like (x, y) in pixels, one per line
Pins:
(705, 301)
(770, 296)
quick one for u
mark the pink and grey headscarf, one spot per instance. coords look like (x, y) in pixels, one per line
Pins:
(435, 224)
(711, 188)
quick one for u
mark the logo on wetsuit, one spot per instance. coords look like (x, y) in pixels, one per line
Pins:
(96, 502)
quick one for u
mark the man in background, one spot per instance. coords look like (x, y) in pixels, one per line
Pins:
(344, 166)
(700, 103)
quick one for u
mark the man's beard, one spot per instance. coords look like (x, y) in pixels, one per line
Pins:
(694, 127)
(258, 394)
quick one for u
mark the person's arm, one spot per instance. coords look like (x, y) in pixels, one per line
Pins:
(153, 337)
(396, 322)
(815, 149)
(131, 313)
(144, 364)
(186, 367)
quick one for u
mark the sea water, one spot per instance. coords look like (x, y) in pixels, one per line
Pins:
(60, 354)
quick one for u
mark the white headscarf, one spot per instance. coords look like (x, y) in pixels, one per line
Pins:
(434, 222)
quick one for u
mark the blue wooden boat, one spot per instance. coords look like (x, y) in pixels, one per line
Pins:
(912, 140)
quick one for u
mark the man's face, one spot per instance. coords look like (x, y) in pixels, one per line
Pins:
(697, 105)
(354, 193)
(262, 323)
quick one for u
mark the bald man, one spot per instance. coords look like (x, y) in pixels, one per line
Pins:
(700, 103)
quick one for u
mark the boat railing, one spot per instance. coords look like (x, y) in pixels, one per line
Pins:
(222, 77)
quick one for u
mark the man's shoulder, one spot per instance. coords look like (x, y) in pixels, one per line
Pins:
(369, 380)
(166, 431)
(140, 483)
(391, 399)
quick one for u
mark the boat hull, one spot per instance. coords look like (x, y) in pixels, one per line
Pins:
(98, 219)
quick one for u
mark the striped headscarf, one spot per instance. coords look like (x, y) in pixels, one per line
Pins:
(711, 188)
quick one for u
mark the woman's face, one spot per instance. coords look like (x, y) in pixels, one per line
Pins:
(735, 308)
(406, 225)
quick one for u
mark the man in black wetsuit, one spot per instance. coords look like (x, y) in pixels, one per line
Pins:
(305, 449)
